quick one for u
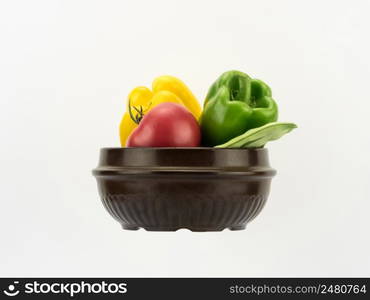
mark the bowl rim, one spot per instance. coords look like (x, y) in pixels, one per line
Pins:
(184, 148)
(259, 161)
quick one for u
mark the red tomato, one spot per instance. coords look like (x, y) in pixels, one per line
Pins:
(166, 125)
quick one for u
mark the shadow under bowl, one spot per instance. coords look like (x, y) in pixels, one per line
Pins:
(200, 189)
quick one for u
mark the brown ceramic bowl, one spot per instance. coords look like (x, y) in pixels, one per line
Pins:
(201, 189)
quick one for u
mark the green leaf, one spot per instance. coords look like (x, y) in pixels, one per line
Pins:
(258, 137)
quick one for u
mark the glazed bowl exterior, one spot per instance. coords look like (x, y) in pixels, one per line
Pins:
(166, 189)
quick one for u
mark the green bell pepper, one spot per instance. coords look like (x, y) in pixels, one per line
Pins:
(234, 104)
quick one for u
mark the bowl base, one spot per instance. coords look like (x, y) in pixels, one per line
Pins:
(129, 227)
(194, 229)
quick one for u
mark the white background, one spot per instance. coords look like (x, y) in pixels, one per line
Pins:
(66, 68)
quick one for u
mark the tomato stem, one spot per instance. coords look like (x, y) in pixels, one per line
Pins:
(140, 112)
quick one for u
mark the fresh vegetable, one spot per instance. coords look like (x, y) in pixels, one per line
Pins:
(258, 137)
(141, 100)
(234, 104)
(166, 125)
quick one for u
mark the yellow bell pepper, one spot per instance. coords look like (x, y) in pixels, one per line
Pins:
(141, 100)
